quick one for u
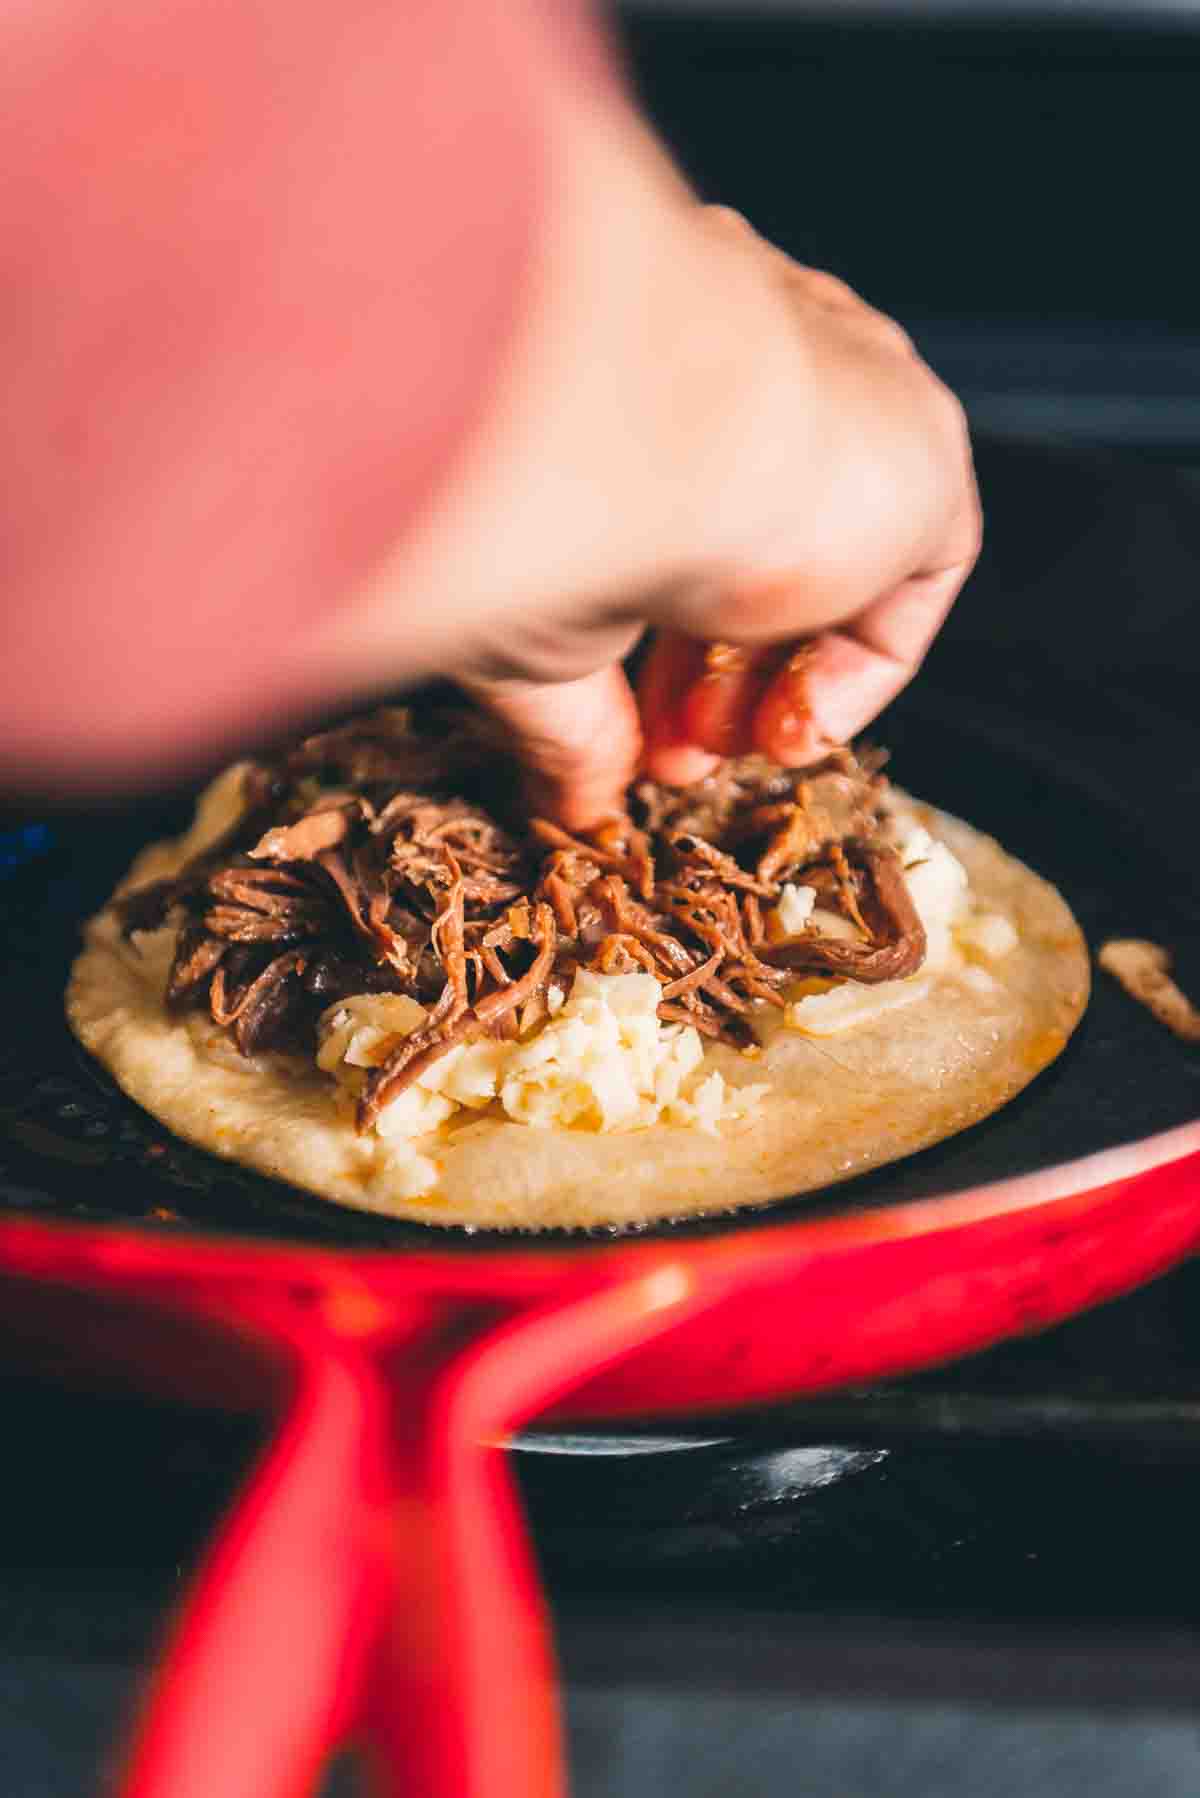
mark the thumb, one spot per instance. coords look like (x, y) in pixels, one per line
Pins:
(580, 741)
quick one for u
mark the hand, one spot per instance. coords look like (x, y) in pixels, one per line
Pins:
(845, 521)
(668, 425)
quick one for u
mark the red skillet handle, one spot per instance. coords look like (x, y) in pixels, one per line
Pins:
(374, 1584)
(463, 1698)
(464, 1703)
(263, 1672)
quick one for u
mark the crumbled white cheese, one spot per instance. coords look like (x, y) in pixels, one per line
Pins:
(986, 936)
(848, 1005)
(795, 908)
(603, 1061)
(469, 1072)
(913, 842)
(938, 886)
(359, 1032)
(835, 923)
(414, 1112)
(411, 1175)
(938, 883)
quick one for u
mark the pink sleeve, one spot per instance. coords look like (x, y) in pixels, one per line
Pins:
(260, 261)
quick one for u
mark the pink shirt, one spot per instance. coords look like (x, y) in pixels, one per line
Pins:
(260, 260)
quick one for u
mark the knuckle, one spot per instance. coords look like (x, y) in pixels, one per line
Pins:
(720, 612)
(893, 335)
(972, 528)
(823, 285)
(493, 666)
(955, 473)
(952, 432)
(951, 416)
(728, 218)
(738, 612)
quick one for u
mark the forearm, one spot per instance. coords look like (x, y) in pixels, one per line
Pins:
(260, 264)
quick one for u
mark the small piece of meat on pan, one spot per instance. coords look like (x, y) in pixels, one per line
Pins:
(1141, 968)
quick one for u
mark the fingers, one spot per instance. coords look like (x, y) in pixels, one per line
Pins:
(670, 672)
(792, 703)
(718, 712)
(833, 687)
(828, 551)
(580, 741)
(698, 702)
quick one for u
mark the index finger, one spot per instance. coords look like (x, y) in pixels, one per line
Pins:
(579, 741)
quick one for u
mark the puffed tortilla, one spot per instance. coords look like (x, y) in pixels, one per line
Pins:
(837, 1105)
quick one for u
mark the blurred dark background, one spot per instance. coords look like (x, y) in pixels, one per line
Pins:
(984, 1581)
(1015, 183)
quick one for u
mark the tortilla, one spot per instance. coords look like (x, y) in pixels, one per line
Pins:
(836, 1105)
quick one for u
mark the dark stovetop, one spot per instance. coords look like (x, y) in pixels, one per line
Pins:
(983, 1580)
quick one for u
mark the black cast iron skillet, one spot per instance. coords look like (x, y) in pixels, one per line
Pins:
(1082, 774)
(1057, 773)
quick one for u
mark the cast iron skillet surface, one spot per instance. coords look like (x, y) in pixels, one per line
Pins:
(1056, 773)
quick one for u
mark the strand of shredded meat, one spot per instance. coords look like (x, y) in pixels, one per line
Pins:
(385, 856)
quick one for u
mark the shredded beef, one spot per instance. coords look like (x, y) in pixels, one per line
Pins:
(385, 856)
(197, 955)
(323, 828)
(896, 946)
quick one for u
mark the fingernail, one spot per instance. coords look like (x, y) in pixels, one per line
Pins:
(836, 715)
(678, 764)
(822, 710)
